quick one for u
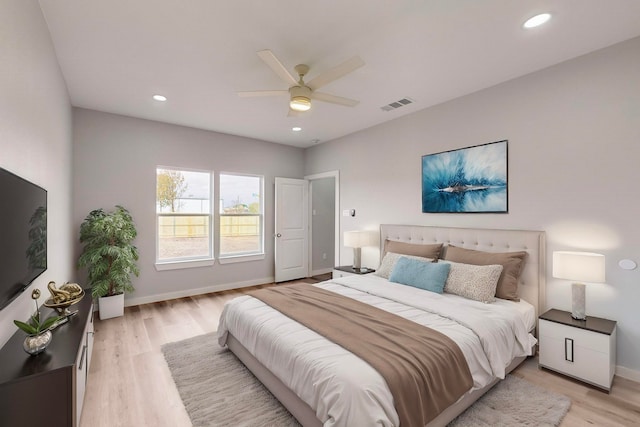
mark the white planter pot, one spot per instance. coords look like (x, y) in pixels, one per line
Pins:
(111, 306)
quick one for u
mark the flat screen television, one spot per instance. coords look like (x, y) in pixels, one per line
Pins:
(23, 235)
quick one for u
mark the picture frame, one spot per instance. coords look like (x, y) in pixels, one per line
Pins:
(466, 180)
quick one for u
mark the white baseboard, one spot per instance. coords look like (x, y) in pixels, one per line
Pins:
(321, 271)
(627, 373)
(128, 302)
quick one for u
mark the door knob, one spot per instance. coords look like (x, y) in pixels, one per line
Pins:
(278, 235)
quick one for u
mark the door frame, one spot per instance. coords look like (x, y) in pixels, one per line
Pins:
(336, 240)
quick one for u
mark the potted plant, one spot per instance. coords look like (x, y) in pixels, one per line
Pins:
(110, 257)
(38, 333)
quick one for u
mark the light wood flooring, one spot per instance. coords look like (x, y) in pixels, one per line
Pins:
(130, 384)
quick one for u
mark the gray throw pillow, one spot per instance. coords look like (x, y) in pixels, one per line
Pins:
(476, 282)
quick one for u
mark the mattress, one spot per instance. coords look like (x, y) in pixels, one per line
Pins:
(342, 389)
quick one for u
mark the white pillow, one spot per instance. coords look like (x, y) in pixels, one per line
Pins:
(476, 282)
(389, 261)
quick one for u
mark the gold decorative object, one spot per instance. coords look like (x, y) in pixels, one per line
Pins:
(64, 297)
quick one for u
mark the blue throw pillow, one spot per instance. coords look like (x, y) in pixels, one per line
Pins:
(420, 274)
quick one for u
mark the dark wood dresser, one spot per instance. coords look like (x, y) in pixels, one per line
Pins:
(48, 389)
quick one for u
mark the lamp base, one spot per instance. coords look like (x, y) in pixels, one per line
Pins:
(578, 301)
(357, 259)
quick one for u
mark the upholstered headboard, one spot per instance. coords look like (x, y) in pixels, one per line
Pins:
(532, 284)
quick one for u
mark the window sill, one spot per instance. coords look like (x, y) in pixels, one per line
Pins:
(177, 265)
(240, 258)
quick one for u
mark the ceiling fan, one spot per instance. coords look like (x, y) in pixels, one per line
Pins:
(300, 92)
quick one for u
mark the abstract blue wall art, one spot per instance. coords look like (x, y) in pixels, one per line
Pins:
(467, 180)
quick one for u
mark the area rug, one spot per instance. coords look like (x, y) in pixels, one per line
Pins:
(217, 390)
(515, 402)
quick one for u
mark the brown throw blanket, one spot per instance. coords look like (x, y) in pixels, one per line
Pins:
(424, 369)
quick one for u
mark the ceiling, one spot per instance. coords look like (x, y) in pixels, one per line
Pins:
(116, 54)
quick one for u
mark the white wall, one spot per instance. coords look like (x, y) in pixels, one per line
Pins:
(115, 160)
(35, 138)
(574, 154)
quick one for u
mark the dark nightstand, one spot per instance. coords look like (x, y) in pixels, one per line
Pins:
(582, 349)
(347, 270)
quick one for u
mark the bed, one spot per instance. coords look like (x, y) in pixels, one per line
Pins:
(312, 376)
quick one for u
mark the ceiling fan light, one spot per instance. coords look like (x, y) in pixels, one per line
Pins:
(300, 103)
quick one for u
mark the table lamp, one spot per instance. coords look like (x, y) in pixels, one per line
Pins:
(358, 240)
(580, 267)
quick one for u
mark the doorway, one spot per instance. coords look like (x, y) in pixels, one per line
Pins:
(307, 224)
(324, 223)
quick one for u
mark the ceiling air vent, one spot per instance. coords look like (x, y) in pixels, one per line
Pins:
(397, 104)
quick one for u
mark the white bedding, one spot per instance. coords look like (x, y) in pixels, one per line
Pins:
(344, 390)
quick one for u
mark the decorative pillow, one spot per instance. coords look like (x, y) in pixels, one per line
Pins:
(512, 263)
(420, 274)
(425, 251)
(389, 261)
(476, 282)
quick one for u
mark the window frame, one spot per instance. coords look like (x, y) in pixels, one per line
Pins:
(186, 262)
(241, 256)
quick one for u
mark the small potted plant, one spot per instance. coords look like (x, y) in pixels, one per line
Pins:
(110, 257)
(39, 336)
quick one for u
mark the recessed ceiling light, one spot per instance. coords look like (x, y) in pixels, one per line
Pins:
(296, 128)
(161, 98)
(537, 20)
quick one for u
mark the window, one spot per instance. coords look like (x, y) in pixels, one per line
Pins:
(184, 220)
(241, 215)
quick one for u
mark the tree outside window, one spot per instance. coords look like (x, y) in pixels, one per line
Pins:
(171, 186)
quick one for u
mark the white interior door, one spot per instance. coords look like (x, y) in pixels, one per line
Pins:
(292, 229)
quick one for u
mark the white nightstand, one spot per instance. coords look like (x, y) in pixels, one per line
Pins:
(582, 349)
(347, 270)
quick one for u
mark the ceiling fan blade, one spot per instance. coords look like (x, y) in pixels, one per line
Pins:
(270, 59)
(250, 93)
(336, 72)
(320, 96)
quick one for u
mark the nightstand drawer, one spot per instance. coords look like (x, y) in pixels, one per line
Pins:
(585, 364)
(580, 337)
(338, 273)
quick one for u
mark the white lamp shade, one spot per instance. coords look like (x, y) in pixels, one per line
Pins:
(579, 266)
(359, 239)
